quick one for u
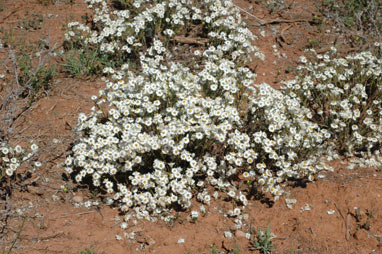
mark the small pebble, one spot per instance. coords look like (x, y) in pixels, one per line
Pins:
(181, 240)
(78, 199)
(240, 233)
(290, 202)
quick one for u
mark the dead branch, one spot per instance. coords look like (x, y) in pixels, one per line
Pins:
(190, 40)
(17, 236)
(280, 21)
(282, 34)
(44, 238)
(346, 221)
(250, 14)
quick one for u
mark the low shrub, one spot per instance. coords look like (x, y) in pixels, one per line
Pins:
(344, 97)
(165, 132)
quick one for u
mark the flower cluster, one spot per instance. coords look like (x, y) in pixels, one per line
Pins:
(12, 157)
(146, 140)
(344, 98)
(278, 141)
(122, 34)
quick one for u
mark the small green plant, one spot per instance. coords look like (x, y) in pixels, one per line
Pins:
(313, 43)
(8, 38)
(214, 250)
(30, 63)
(84, 62)
(88, 250)
(262, 241)
(33, 22)
(37, 76)
(236, 249)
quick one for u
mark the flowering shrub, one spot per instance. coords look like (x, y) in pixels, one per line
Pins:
(163, 132)
(158, 138)
(121, 34)
(11, 158)
(344, 98)
(286, 142)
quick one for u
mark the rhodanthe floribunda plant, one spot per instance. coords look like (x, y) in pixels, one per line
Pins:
(164, 133)
(344, 96)
(151, 139)
(171, 129)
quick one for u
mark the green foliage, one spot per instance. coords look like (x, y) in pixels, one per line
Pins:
(262, 241)
(8, 37)
(35, 75)
(30, 62)
(84, 62)
(32, 22)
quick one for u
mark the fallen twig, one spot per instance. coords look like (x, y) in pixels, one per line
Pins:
(51, 236)
(17, 236)
(10, 14)
(348, 221)
(250, 14)
(347, 228)
(282, 34)
(279, 21)
(190, 40)
(312, 231)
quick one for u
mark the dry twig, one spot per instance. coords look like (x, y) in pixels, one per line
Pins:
(346, 221)
(17, 236)
(190, 40)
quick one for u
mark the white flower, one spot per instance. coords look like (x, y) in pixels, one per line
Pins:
(194, 214)
(34, 147)
(5, 150)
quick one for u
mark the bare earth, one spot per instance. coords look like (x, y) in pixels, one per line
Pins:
(341, 213)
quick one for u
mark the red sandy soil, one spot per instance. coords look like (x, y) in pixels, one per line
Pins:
(53, 225)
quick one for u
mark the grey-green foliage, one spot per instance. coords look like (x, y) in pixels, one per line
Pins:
(262, 241)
